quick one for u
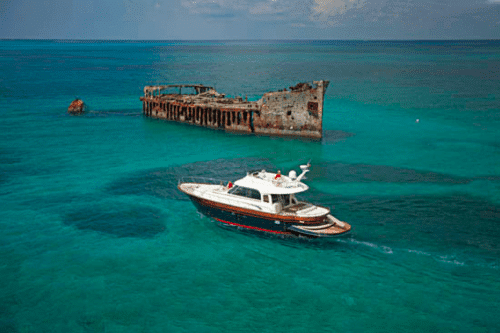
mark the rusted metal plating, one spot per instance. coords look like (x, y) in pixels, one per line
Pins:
(297, 112)
(77, 106)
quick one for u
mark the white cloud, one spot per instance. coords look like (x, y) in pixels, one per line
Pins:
(322, 10)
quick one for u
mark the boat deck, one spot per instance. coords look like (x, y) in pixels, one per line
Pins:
(295, 208)
(323, 231)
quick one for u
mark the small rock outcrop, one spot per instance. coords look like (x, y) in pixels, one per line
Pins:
(77, 106)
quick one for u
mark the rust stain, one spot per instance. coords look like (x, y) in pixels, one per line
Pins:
(77, 106)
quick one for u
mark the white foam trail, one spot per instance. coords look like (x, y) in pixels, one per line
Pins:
(451, 260)
(381, 248)
(441, 258)
(420, 252)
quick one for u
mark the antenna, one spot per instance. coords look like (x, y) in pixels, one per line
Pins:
(305, 169)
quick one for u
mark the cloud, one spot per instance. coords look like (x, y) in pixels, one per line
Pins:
(267, 8)
(361, 16)
(214, 7)
(322, 10)
(282, 10)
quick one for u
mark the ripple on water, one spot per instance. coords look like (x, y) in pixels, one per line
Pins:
(118, 220)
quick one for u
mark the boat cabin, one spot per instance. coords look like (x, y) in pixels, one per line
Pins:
(284, 199)
(275, 192)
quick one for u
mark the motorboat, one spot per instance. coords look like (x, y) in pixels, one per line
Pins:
(264, 201)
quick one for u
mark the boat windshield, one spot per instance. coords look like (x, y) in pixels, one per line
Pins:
(245, 192)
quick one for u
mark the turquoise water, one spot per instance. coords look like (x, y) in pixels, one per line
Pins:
(94, 236)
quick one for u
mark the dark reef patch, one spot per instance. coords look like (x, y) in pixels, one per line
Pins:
(8, 326)
(16, 162)
(91, 323)
(362, 173)
(9, 157)
(118, 220)
(163, 182)
(331, 136)
(9, 303)
(9, 163)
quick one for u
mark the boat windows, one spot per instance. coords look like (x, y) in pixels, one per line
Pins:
(245, 192)
(284, 199)
(234, 190)
(265, 198)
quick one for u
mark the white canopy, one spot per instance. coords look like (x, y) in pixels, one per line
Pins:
(267, 183)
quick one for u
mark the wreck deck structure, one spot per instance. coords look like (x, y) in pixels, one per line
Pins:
(296, 112)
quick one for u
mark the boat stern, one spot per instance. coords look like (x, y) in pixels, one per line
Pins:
(331, 227)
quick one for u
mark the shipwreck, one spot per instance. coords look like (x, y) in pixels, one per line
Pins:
(294, 112)
(77, 107)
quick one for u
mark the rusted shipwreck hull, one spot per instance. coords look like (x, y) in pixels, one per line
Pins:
(77, 106)
(295, 112)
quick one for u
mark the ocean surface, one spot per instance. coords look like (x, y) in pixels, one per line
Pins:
(95, 237)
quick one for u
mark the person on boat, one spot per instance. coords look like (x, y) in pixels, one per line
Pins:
(278, 175)
(229, 185)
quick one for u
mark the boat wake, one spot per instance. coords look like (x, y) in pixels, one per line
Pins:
(379, 248)
(451, 259)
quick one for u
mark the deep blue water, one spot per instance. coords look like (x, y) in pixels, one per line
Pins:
(94, 236)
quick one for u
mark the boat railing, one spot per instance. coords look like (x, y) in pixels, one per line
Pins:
(202, 180)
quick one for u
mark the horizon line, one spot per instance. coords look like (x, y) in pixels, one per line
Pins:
(239, 40)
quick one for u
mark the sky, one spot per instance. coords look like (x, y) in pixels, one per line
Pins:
(250, 19)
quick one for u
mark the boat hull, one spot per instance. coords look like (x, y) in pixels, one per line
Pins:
(227, 217)
(232, 218)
